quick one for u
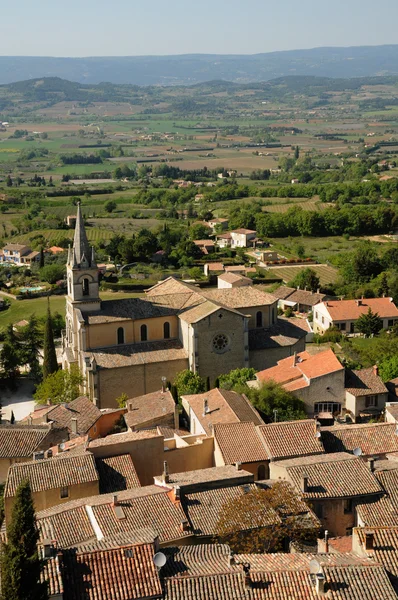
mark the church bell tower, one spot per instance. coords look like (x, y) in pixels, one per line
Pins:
(82, 271)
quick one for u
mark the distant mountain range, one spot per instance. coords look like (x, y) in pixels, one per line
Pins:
(361, 61)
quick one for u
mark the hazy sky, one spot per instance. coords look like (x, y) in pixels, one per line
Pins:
(136, 27)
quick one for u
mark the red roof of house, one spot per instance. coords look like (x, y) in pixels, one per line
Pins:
(295, 372)
(350, 310)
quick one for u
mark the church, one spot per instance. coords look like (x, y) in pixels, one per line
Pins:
(130, 345)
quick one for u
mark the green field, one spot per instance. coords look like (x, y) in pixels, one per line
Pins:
(325, 273)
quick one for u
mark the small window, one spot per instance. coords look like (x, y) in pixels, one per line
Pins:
(166, 330)
(371, 401)
(144, 333)
(316, 315)
(318, 510)
(85, 287)
(323, 320)
(259, 319)
(261, 472)
(348, 506)
(64, 492)
(120, 335)
(69, 285)
(342, 326)
(390, 322)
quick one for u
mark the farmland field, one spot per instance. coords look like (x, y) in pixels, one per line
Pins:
(326, 273)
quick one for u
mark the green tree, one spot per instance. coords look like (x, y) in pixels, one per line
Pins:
(8, 181)
(271, 396)
(306, 278)
(21, 566)
(384, 289)
(388, 368)
(121, 400)
(236, 379)
(52, 273)
(369, 323)
(296, 153)
(10, 359)
(41, 261)
(32, 342)
(50, 363)
(110, 206)
(187, 382)
(61, 386)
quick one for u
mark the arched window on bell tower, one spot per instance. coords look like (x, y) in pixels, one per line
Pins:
(86, 286)
(144, 333)
(120, 335)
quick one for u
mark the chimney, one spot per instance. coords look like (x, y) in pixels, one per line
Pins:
(371, 464)
(205, 407)
(246, 570)
(231, 558)
(73, 425)
(177, 492)
(369, 540)
(164, 381)
(304, 483)
(166, 476)
(318, 291)
(375, 370)
(359, 302)
(295, 359)
(115, 501)
(184, 526)
(326, 540)
(49, 453)
(238, 466)
(47, 548)
(320, 583)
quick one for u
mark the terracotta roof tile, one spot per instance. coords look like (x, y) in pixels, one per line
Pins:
(202, 478)
(349, 310)
(372, 438)
(309, 366)
(149, 407)
(291, 439)
(239, 442)
(116, 473)
(120, 438)
(234, 278)
(138, 354)
(223, 407)
(244, 297)
(285, 332)
(52, 473)
(338, 475)
(196, 560)
(82, 409)
(125, 573)
(21, 441)
(385, 547)
(364, 382)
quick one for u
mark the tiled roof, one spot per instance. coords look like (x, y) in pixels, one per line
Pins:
(243, 231)
(116, 473)
(203, 508)
(208, 477)
(306, 297)
(349, 310)
(21, 441)
(52, 473)
(341, 543)
(140, 508)
(285, 332)
(290, 439)
(138, 354)
(136, 308)
(283, 292)
(223, 407)
(244, 297)
(364, 382)
(239, 442)
(217, 266)
(385, 546)
(125, 573)
(82, 409)
(196, 560)
(149, 407)
(225, 586)
(120, 438)
(234, 278)
(52, 574)
(377, 513)
(338, 475)
(371, 438)
(304, 366)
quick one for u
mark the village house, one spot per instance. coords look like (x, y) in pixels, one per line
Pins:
(18, 255)
(318, 380)
(366, 394)
(218, 223)
(152, 410)
(206, 246)
(20, 443)
(373, 440)
(343, 313)
(332, 484)
(217, 406)
(125, 346)
(224, 240)
(242, 238)
(232, 280)
(241, 443)
(296, 299)
(53, 481)
(291, 439)
(381, 512)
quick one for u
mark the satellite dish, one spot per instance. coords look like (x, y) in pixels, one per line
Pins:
(159, 559)
(318, 434)
(62, 446)
(357, 452)
(315, 567)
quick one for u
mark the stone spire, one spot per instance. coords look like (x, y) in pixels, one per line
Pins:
(81, 249)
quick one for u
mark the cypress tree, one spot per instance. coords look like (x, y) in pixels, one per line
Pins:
(41, 261)
(21, 565)
(50, 364)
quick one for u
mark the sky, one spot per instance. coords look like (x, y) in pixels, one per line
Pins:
(162, 27)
